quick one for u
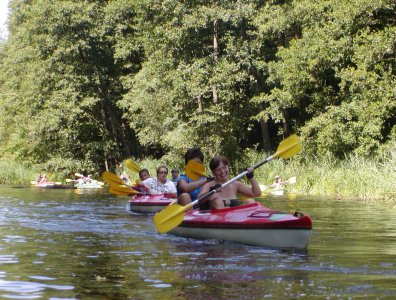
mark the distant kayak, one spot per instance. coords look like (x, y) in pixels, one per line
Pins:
(51, 185)
(277, 190)
(94, 184)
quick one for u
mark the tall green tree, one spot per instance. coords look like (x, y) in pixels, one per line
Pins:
(198, 77)
(334, 81)
(90, 83)
(66, 85)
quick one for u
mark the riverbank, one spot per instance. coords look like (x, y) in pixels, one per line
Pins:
(355, 177)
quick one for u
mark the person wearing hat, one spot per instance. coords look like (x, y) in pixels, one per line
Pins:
(175, 175)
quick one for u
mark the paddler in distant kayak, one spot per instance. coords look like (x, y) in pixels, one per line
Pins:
(188, 189)
(278, 182)
(227, 196)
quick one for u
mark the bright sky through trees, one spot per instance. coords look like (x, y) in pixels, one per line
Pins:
(3, 18)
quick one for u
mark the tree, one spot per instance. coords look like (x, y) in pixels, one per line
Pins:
(68, 85)
(327, 78)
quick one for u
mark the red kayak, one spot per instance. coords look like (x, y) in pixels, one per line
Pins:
(149, 203)
(251, 224)
(53, 185)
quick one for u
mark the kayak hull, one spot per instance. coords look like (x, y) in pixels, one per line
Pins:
(51, 185)
(148, 204)
(88, 186)
(277, 192)
(252, 224)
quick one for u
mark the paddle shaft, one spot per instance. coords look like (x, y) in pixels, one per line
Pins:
(231, 180)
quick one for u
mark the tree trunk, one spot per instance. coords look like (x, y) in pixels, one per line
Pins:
(265, 136)
(286, 123)
(215, 57)
(199, 102)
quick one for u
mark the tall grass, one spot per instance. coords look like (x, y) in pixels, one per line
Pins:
(15, 173)
(354, 177)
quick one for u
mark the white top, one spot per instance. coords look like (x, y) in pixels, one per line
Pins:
(155, 187)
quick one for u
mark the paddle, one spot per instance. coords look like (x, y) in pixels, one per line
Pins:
(195, 170)
(131, 165)
(114, 191)
(112, 179)
(291, 180)
(122, 190)
(117, 185)
(172, 216)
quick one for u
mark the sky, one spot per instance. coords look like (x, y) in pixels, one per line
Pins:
(3, 18)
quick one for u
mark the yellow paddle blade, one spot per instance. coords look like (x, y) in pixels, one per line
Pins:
(170, 217)
(195, 170)
(112, 179)
(131, 165)
(33, 182)
(116, 192)
(289, 147)
(68, 180)
(124, 189)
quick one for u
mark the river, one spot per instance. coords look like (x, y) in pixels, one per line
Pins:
(59, 244)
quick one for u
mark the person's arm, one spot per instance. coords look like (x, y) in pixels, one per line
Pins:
(250, 191)
(145, 185)
(187, 187)
(205, 189)
(172, 187)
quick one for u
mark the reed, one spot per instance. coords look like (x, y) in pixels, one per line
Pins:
(353, 177)
(368, 179)
(15, 173)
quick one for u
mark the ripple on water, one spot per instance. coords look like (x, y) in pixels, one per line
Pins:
(28, 290)
(8, 259)
(157, 283)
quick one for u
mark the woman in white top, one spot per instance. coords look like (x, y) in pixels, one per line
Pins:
(160, 185)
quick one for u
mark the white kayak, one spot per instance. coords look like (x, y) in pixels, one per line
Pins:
(94, 184)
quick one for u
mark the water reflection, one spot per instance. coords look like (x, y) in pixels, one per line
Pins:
(62, 245)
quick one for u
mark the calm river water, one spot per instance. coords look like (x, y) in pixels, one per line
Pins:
(58, 244)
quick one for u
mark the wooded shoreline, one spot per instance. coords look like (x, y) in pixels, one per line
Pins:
(85, 85)
(357, 178)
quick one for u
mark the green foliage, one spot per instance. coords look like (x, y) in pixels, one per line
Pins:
(87, 84)
(337, 75)
(14, 173)
(67, 85)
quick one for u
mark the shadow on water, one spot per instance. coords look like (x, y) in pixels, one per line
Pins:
(63, 245)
